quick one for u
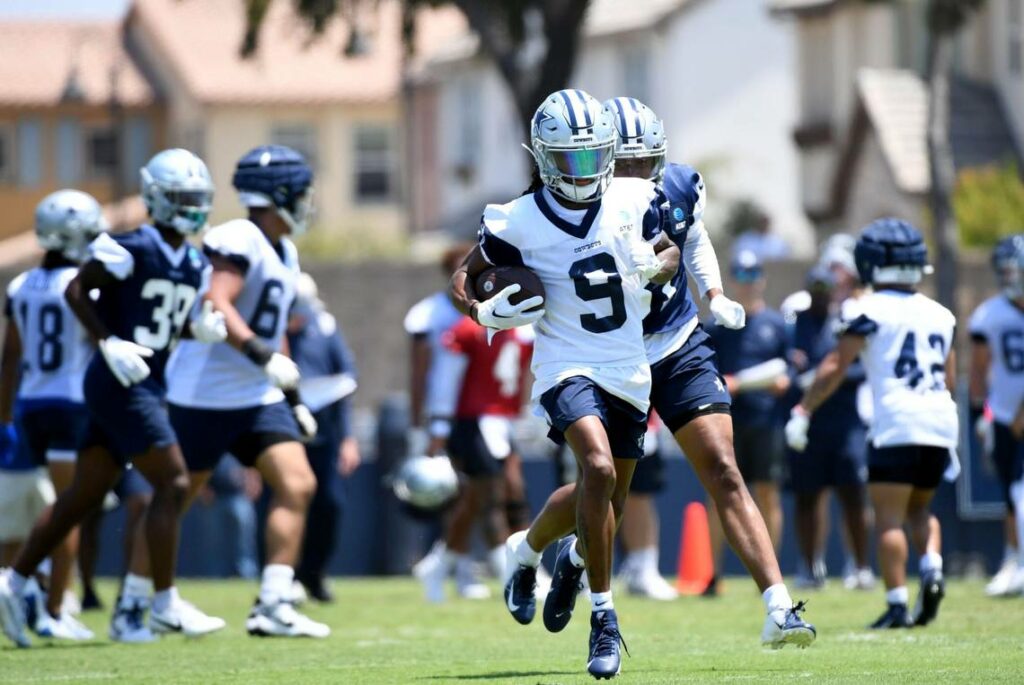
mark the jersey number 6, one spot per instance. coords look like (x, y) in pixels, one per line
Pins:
(596, 278)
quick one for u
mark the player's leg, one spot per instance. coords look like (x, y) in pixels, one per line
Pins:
(639, 530)
(807, 512)
(1005, 457)
(62, 474)
(96, 473)
(517, 507)
(88, 554)
(458, 536)
(321, 522)
(890, 499)
(853, 501)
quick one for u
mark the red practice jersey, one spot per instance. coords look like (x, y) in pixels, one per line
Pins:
(493, 382)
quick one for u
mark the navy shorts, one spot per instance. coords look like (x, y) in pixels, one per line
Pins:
(836, 456)
(132, 484)
(125, 421)
(921, 466)
(686, 384)
(579, 396)
(469, 450)
(45, 428)
(1008, 456)
(649, 475)
(760, 452)
(209, 434)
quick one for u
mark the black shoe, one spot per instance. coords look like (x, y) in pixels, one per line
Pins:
(933, 589)
(896, 616)
(317, 589)
(712, 589)
(565, 586)
(91, 601)
(604, 660)
(520, 597)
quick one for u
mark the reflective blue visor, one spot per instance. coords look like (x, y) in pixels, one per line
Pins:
(580, 163)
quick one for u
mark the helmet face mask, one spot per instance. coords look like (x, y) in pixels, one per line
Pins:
(67, 221)
(640, 135)
(573, 142)
(177, 190)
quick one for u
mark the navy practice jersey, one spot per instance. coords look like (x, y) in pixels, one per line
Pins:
(816, 337)
(154, 291)
(762, 339)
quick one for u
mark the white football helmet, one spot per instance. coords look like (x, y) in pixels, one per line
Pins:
(572, 139)
(67, 221)
(641, 134)
(177, 190)
(426, 483)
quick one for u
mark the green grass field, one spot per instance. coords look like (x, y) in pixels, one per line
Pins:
(384, 633)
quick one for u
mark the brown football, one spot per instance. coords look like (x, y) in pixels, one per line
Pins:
(497, 278)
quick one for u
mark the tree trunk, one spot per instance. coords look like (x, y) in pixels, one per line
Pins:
(940, 164)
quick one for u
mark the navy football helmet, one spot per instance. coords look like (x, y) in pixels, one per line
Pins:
(279, 177)
(891, 252)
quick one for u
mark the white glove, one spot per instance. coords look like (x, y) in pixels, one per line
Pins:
(796, 428)
(307, 424)
(126, 360)
(985, 431)
(282, 371)
(209, 326)
(727, 312)
(501, 314)
(643, 260)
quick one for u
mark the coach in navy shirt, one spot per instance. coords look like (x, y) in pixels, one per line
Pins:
(753, 362)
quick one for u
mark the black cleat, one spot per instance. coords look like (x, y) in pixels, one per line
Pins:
(933, 589)
(90, 600)
(520, 597)
(604, 660)
(317, 589)
(712, 588)
(896, 616)
(565, 586)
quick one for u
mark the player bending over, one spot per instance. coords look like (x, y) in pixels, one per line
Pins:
(231, 396)
(45, 355)
(905, 342)
(591, 240)
(687, 389)
(147, 280)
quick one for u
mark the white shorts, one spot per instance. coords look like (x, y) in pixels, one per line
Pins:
(23, 497)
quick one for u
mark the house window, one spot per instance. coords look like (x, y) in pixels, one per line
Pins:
(374, 164)
(101, 153)
(30, 152)
(299, 137)
(6, 154)
(1014, 28)
(69, 152)
(469, 130)
(636, 72)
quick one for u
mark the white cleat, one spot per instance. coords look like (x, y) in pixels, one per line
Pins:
(466, 582)
(544, 583)
(650, 584)
(66, 627)
(128, 624)
(70, 604)
(1016, 585)
(12, 612)
(432, 572)
(1002, 581)
(785, 627)
(282, 620)
(299, 595)
(183, 617)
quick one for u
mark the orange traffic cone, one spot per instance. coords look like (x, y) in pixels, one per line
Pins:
(695, 568)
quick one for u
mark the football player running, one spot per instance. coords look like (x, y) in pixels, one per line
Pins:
(687, 389)
(45, 353)
(905, 342)
(240, 396)
(997, 377)
(592, 241)
(147, 281)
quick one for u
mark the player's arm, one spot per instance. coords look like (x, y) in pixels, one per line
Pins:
(460, 287)
(951, 372)
(94, 275)
(981, 359)
(497, 312)
(832, 372)
(10, 359)
(419, 365)
(669, 254)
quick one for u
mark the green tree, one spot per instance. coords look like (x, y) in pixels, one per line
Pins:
(988, 203)
(533, 43)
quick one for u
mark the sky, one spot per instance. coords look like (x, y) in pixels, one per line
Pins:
(62, 9)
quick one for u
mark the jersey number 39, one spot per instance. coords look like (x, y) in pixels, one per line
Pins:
(171, 304)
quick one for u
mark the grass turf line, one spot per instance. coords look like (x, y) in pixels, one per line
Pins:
(383, 632)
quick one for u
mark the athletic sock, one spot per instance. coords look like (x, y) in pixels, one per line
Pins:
(898, 595)
(649, 560)
(276, 584)
(16, 582)
(930, 561)
(601, 601)
(136, 590)
(574, 557)
(44, 567)
(776, 598)
(163, 599)
(526, 555)
(496, 560)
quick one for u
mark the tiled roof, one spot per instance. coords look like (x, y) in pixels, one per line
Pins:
(200, 40)
(38, 58)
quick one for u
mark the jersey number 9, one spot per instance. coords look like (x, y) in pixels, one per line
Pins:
(609, 286)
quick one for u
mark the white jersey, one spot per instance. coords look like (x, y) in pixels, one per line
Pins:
(1000, 324)
(431, 317)
(55, 347)
(908, 340)
(218, 376)
(595, 306)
